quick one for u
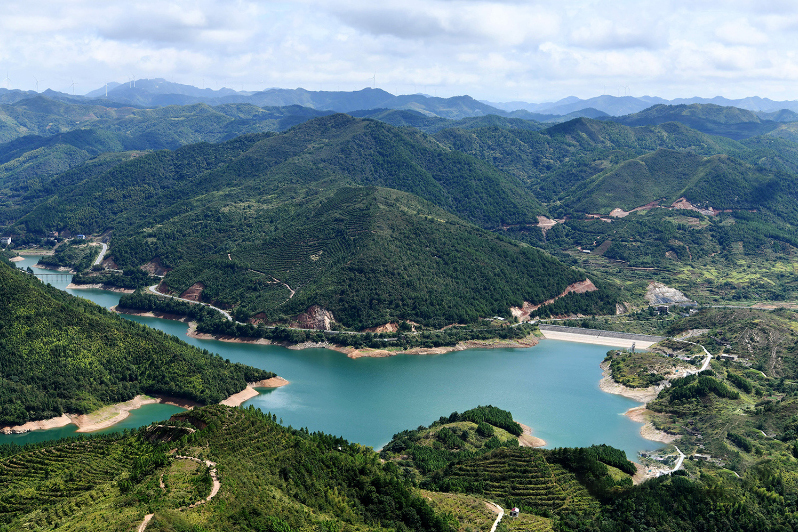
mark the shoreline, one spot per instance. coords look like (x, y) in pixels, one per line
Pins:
(101, 286)
(638, 414)
(351, 352)
(237, 399)
(110, 415)
(527, 440)
(42, 252)
(641, 395)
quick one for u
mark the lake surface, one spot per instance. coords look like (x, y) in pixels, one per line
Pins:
(552, 387)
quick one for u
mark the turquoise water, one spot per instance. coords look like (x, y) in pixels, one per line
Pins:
(552, 387)
(137, 418)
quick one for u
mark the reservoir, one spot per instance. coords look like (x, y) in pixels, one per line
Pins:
(552, 387)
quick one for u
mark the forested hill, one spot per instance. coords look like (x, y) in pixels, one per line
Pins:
(322, 151)
(62, 354)
(327, 213)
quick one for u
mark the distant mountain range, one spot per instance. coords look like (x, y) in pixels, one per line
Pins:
(160, 92)
(624, 105)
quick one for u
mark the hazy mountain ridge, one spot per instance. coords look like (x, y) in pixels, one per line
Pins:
(622, 105)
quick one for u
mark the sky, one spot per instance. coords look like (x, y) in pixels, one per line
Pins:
(499, 51)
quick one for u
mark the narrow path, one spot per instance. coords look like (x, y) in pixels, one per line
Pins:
(500, 511)
(285, 285)
(214, 489)
(707, 360)
(216, 484)
(143, 525)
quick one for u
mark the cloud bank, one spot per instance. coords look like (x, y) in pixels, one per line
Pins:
(496, 50)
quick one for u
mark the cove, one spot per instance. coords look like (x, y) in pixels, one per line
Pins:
(552, 387)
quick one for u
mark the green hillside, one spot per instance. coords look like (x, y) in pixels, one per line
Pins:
(272, 224)
(338, 147)
(709, 118)
(275, 478)
(718, 181)
(556, 161)
(272, 478)
(369, 255)
(60, 353)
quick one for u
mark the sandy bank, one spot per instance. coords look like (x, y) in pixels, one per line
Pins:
(274, 382)
(41, 252)
(595, 340)
(101, 286)
(113, 414)
(639, 414)
(42, 424)
(156, 314)
(641, 395)
(110, 415)
(237, 399)
(351, 352)
(16, 259)
(527, 440)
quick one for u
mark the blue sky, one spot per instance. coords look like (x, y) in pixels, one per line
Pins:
(492, 50)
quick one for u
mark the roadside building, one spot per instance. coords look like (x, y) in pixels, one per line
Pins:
(5, 240)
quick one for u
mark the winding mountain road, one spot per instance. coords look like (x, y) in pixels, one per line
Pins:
(101, 256)
(154, 290)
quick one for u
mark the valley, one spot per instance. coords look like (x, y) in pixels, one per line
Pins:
(387, 234)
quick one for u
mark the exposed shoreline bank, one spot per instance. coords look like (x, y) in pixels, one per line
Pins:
(110, 415)
(638, 414)
(99, 419)
(527, 440)
(101, 286)
(351, 352)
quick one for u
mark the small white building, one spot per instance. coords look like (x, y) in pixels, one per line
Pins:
(81, 237)
(5, 240)
(514, 512)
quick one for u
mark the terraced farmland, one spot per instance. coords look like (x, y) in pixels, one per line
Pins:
(519, 477)
(68, 485)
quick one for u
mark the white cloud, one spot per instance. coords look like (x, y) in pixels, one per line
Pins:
(490, 49)
(740, 31)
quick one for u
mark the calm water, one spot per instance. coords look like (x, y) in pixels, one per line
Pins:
(552, 387)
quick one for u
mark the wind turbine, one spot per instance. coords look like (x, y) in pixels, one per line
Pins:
(37, 82)
(8, 81)
(73, 87)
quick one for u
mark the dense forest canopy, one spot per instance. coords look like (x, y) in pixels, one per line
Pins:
(62, 354)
